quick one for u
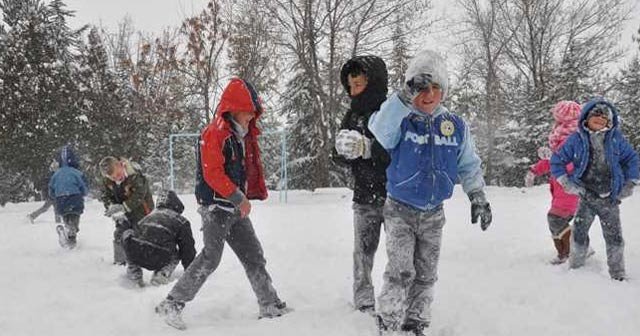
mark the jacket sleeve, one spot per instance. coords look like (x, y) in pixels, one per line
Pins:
(385, 124)
(629, 162)
(106, 194)
(185, 242)
(139, 190)
(562, 157)
(541, 167)
(212, 160)
(82, 184)
(52, 191)
(469, 164)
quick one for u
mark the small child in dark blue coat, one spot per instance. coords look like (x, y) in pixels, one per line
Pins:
(68, 188)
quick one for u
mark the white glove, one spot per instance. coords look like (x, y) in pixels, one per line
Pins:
(352, 145)
(528, 179)
(570, 187)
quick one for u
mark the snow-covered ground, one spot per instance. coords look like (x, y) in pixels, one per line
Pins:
(491, 283)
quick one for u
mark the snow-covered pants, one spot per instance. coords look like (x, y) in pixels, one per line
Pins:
(45, 206)
(71, 224)
(609, 214)
(557, 224)
(218, 226)
(367, 220)
(413, 248)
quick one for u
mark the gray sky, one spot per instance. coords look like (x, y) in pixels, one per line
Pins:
(153, 15)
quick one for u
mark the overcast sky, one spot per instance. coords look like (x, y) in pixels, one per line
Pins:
(153, 15)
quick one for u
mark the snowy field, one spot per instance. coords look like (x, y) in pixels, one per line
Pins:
(494, 283)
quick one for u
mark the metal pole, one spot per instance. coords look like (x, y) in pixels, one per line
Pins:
(171, 162)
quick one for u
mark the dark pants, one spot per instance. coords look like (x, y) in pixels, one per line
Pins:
(71, 224)
(609, 214)
(45, 206)
(367, 222)
(220, 226)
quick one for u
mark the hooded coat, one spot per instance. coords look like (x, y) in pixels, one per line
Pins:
(369, 174)
(161, 236)
(228, 167)
(68, 185)
(620, 157)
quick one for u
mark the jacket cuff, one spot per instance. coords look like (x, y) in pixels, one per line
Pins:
(236, 197)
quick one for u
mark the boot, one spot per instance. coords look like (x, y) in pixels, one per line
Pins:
(276, 309)
(562, 243)
(414, 327)
(171, 312)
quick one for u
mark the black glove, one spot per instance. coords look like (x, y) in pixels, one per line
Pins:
(480, 208)
(412, 88)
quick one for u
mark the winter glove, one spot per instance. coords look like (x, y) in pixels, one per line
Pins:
(480, 208)
(528, 179)
(411, 89)
(115, 211)
(352, 145)
(570, 187)
(627, 190)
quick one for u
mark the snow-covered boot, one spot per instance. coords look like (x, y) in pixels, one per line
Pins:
(62, 236)
(30, 218)
(563, 245)
(159, 278)
(414, 327)
(276, 309)
(71, 241)
(171, 311)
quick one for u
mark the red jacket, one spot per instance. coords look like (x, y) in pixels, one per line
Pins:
(217, 168)
(562, 203)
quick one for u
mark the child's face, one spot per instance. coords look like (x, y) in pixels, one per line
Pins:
(118, 174)
(357, 84)
(243, 118)
(429, 98)
(597, 122)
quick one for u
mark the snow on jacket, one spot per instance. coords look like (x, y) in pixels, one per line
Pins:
(68, 185)
(429, 153)
(562, 204)
(161, 236)
(619, 155)
(369, 174)
(228, 168)
(565, 113)
(134, 192)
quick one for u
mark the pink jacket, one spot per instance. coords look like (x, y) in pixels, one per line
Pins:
(562, 203)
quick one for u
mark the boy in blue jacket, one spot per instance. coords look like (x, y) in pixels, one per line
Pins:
(431, 149)
(605, 172)
(68, 187)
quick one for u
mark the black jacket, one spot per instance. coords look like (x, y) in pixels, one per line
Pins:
(370, 174)
(161, 236)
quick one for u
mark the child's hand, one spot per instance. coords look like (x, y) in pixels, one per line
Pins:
(352, 145)
(480, 208)
(114, 209)
(411, 89)
(245, 208)
(570, 187)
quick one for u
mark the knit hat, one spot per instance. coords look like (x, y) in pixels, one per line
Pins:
(428, 62)
(566, 114)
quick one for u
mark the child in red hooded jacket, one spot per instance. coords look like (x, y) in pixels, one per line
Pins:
(563, 204)
(229, 175)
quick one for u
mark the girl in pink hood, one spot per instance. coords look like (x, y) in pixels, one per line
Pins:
(563, 205)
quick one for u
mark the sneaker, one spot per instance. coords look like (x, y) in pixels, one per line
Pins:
(159, 279)
(273, 310)
(414, 327)
(171, 312)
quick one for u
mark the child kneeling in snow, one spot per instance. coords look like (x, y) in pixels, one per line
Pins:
(161, 239)
(605, 172)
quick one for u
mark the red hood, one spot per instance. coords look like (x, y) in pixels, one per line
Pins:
(239, 95)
